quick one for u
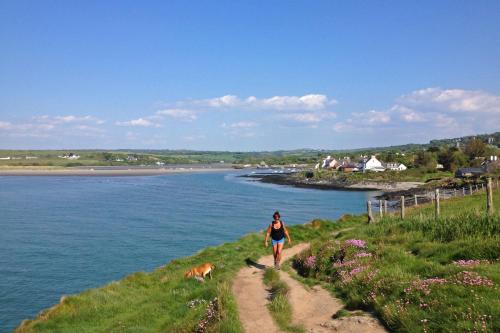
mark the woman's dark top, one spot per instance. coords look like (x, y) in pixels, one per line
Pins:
(277, 234)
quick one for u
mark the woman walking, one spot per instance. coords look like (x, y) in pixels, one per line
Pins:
(278, 231)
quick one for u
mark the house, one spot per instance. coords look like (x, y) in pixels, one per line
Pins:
(262, 165)
(70, 156)
(395, 166)
(371, 164)
(329, 162)
(469, 172)
(491, 164)
(348, 167)
(439, 166)
(131, 158)
(5, 158)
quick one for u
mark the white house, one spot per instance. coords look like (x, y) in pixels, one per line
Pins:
(328, 162)
(395, 166)
(70, 156)
(371, 164)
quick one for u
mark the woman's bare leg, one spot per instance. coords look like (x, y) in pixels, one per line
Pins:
(275, 252)
(278, 254)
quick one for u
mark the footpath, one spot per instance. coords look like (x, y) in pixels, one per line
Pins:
(313, 308)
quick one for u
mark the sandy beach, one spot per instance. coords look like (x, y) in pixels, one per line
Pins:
(105, 171)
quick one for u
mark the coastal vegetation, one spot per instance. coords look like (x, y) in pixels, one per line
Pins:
(420, 274)
(417, 274)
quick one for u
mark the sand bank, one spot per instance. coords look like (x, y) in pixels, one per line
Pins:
(105, 171)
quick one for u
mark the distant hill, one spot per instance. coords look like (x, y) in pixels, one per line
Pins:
(183, 156)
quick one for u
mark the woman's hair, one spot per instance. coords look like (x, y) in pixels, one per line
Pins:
(276, 213)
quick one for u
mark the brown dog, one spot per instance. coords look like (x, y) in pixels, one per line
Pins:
(202, 270)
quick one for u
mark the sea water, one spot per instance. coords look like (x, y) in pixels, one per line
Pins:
(62, 235)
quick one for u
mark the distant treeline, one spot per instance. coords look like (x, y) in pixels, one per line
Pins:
(439, 149)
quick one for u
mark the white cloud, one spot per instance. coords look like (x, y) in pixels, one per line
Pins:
(307, 102)
(140, 122)
(430, 112)
(373, 117)
(309, 117)
(182, 114)
(452, 100)
(53, 126)
(224, 101)
(240, 124)
(66, 119)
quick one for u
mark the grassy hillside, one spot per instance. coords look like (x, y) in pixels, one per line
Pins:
(416, 275)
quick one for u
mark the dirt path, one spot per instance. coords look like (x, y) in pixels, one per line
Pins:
(252, 296)
(312, 308)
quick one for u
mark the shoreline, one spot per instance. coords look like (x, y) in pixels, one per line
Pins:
(105, 171)
(389, 189)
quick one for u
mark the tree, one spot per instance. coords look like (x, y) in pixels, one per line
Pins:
(425, 160)
(475, 148)
(452, 159)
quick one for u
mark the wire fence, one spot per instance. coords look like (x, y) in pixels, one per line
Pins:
(384, 207)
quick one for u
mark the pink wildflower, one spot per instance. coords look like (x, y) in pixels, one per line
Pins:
(356, 243)
(423, 285)
(356, 270)
(468, 263)
(310, 261)
(348, 263)
(363, 254)
(473, 279)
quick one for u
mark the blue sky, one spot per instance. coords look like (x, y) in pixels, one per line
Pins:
(246, 75)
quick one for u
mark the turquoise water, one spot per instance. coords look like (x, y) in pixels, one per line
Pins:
(61, 235)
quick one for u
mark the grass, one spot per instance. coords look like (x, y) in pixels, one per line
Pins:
(159, 301)
(279, 306)
(419, 274)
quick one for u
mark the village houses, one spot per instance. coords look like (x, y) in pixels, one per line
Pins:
(365, 164)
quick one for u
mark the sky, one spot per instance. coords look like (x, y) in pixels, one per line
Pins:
(246, 75)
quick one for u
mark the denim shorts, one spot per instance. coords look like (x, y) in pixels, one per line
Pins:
(281, 241)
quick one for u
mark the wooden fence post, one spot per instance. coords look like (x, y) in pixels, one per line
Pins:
(437, 207)
(416, 200)
(385, 207)
(454, 192)
(489, 197)
(369, 209)
(402, 207)
(482, 186)
(380, 208)
(470, 188)
(463, 191)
